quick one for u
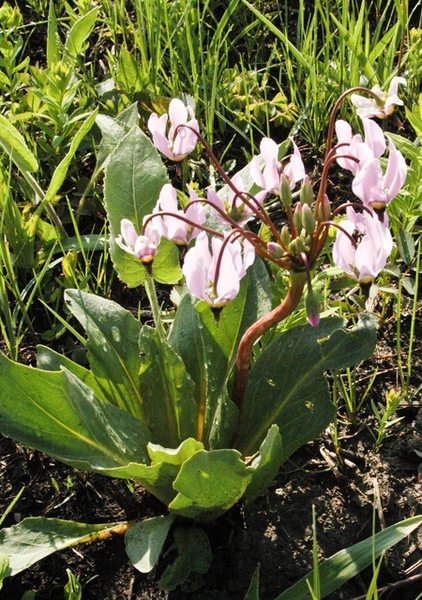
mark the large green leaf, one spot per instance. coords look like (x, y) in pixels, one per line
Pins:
(208, 349)
(347, 563)
(61, 170)
(113, 348)
(58, 414)
(112, 131)
(144, 541)
(194, 554)
(265, 465)
(135, 175)
(14, 144)
(158, 477)
(4, 567)
(37, 537)
(209, 483)
(287, 385)
(79, 32)
(167, 391)
(49, 360)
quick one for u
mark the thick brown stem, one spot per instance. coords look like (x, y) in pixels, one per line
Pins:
(244, 352)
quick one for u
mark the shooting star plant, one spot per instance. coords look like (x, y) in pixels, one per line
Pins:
(185, 410)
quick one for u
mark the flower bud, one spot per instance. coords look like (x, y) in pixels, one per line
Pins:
(306, 192)
(297, 246)
(297, 217)
(308, 219)
(275, 249)
(312, 307)
(285, 236)
(285, 191)
(324, 209)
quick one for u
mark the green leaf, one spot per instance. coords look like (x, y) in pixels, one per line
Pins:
(53, 40)
(174, 456)
(345, 348)
(301, 60)
(49, 360)
(113, 348)
(58, 414)
(79, 33)
(165, 268)
(114, 130)
(209, 483)
(129, 72)
(37, 537)
(14, 144)
(208, 350)
(355, 45)
(253, 589)
(265, 464)
(61, 170)
(287, 385)
(166, 390)
(186, 338)
(4, 567)
(347, 563)
(158, 477)
(73, 588)
(145, 540)
(134, 177)
(194, 554)
(406, 245)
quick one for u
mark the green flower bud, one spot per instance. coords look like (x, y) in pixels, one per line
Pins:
(306, 192)
(297, 217)
(285, 191)
(324, 210)
(297, 246)
(308, 219)
(312, 307)
(285, 236)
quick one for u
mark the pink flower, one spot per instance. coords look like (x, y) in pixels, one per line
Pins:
(375, 188)
(269, 178)
(383, 105)
(179, 141)
(365, 259)
(214, 275)
(175, 228)
(143, 247)
(355, 147)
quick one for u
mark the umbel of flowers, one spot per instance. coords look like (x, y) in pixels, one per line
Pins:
(215, 258)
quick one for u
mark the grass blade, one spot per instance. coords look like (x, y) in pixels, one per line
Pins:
(347, 563)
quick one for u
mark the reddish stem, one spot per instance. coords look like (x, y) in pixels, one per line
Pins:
(255, 331)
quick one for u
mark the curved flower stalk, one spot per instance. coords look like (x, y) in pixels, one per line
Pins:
(180, 140)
